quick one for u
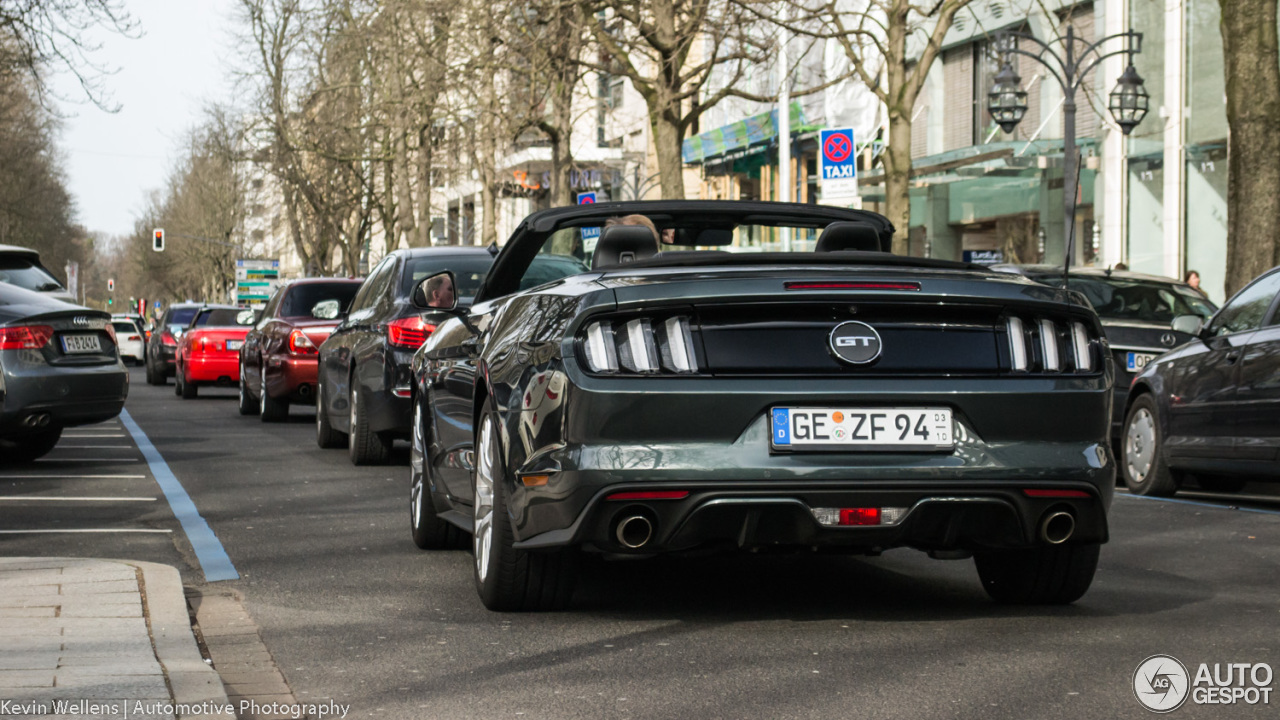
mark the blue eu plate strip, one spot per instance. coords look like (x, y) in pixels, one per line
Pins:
(213, 559)
(781, 426)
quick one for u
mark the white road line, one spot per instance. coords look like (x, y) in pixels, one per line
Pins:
(74, 530)
(72, 477)
(29, 498)
(95, 437)
(57, 460)
(93, 447)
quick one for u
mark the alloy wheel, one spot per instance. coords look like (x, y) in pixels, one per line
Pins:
(1140, 444)
(417, 467)
(485, 462)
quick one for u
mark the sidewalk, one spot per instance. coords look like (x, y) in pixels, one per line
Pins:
(83, 638)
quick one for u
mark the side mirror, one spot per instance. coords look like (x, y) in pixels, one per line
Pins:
(1189, 324)
(326, 310)
(435, 292)
(246, 317)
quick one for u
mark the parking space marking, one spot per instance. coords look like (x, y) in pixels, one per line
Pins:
(75, 477)
(97, 460)
(84, 530)
(28, 498)
(1201, 504)
(95, 447)
(96, 435)
(210, 554)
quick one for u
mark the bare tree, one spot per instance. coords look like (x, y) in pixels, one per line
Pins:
(43, 36)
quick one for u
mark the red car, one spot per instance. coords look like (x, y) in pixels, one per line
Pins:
(208, 352)
(278, 360)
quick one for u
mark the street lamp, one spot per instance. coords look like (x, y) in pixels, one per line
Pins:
(1070, 64)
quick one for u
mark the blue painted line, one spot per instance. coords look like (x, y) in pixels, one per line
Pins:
(1236, 508)
(213, 559)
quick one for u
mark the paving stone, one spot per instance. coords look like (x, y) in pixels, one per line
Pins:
(29, 612)
(95, 588)
(81, 609)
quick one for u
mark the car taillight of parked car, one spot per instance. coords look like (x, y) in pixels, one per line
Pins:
(300, 344)
(25, 337)
(409, 332)
(111, 333)
(168, 339)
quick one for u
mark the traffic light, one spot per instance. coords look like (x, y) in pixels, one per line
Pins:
(111, 285)
(157, 243)
(111, 301)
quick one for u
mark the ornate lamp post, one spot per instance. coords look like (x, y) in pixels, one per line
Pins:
(1069, 64)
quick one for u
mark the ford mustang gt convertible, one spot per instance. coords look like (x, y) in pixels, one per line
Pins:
(712, 375)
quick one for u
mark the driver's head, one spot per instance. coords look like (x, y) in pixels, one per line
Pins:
(634, 220)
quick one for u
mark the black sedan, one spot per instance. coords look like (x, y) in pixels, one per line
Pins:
(844, 399)
(1137, 312)
(58, 368)
(362, 378)
(162, 345)
(1210, 408)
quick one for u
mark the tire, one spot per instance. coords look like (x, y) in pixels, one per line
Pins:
(153, 378)
(1221, 483)
(365, 446)
(27, 448)
(326, 436)
(247, 406)
(1048, 575)
(428, 530)
(189, 389)
(1142, 462)
(269, 408)
(508, 579)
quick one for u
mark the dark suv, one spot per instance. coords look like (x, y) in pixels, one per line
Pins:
(162, 346)
(363, 384)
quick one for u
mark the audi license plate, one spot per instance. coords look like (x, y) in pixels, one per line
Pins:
(81, 344)
(920, 429)
(1134, 362)
(234, 344)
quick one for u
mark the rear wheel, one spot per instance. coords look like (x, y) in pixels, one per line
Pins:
(187, 388)
(1050, 575)
(1142, 448)
(365, 446)
(271, 409)
(507, 578)
(247, 406)
(154, 378)
(429, 531)
(326, 436)
(29, 447)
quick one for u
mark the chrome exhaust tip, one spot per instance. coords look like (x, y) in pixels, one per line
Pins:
(634, 531)
(1057, 527)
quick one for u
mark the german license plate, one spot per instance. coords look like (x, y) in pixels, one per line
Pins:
(234, 344)
(81, 344)
(920, 429)
(1134, 362)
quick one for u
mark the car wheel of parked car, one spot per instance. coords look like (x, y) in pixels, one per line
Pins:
(365, 446)
(1221, 483)
(247, 405)
(1052, 575)
(154, 378)
(326, 436)
(271, 409)
(189, 389)
(29, 447)
(507, 578)
(1142, 461)
(429, 531)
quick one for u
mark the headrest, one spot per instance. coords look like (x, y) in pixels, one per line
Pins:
(848, 236)
(622, 244)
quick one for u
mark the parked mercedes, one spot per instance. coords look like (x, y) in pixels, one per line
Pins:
(1210, 409)
(58, 368)
(739, 398)
(362, 384)
(162, 346)
(1137, 312)
(278, 360)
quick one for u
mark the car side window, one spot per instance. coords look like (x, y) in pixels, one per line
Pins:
(269, 311)
(1247, 310)
(368, 294)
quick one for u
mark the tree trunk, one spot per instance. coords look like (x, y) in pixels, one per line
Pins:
(667, 145)
(1252, 70)
(897, 177)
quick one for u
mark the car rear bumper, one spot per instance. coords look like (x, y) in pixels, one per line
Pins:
(67, 395)
(291, 378)
(215, 368)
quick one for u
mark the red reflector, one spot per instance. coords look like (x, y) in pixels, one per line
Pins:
(25, 337)
(409, 332)
(650, 495)
(860, 516)
(1056, 493)
(796, 285)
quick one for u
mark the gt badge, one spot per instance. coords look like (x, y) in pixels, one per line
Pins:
(856, 343)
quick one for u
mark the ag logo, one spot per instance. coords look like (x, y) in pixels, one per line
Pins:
(1161, 683)
(856, 343)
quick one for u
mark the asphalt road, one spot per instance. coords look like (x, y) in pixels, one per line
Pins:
(352, 611)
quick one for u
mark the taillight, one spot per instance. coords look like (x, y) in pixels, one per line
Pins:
(133, 338)
(111, 332)
(25, 337)
(409, 332)
(300, 344)
(167, 338)
(640, 345)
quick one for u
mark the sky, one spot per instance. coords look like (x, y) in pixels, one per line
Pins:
(164, 80)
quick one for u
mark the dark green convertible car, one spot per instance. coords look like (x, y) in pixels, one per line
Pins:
(702, 375)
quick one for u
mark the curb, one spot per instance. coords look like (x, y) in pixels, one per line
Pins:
(191, 680)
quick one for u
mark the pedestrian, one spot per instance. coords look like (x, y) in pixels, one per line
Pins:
(1192, 279)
